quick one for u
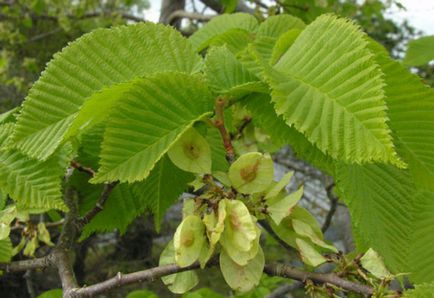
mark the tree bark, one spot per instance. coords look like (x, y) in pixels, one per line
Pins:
(168, 7)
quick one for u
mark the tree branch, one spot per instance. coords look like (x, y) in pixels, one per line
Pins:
(108, 188)
(321, 278)
(19, 266)
(83, 169)
(270, 231)
(126, 279)
(217, 6)
(182, 14)
(333, 206)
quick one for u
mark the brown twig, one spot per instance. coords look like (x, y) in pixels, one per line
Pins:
(83, 169)
(38, 263)
(321, 278)
(220, 124)
(108, 188)
(333, 206)
(270, 231)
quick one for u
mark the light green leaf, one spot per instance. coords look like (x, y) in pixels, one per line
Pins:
(305, 230)
(191, 153)
(189, 240)
(372, 262)
(32, 183)
(55, 293)
(276, 188)
(283, 44)
(265, 117)
(226, 75)
(95, 62)
(178, 283)
(218, 152)
(220, 25)
(31, 247)
(5, 250)
(425, 290)
(275, 26)
(281, 206)
(379, 198)
(411, 109)
(141, 294)
(420, 51)
(251, 173)
(309, 254)
(141, 131)
(240, 235)
(215, 223)
(421, 240)
(8, 116)
(44, 235)
(328, 87)
(242, 278)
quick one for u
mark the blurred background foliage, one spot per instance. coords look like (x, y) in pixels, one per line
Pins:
(31, 31)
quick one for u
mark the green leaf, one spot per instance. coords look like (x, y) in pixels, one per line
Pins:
(240, 237)
(120, 209)
(191, 153)
(229, 5)
(218, 152)
(219, 25)
(265, 117)
(154, 193)
(141, 131)
(379, 198)
(281, 206)
(420, 51)
(55, 293)
(420, 291)
(411, 109)
(242, 278)
(8, 116)
(251, 173)
(283, 44)
(5, 250)
(275, 189)
(33, 183)
(328, 87)
(234, 39)
(91, 64)
(373, 262)
(309, 254)
(178, 283)
(304, 229)
(275, 26)
(189, 240)
(421, 240)
(226, 75)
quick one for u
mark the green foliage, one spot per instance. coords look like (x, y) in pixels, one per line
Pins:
(420, 51)
(89, 65)
(420, 291)
(138, 102)
(140, 132)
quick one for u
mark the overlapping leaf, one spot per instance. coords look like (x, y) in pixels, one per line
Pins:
(328, 87)
(32, 183)
(92, 64)
(219, 26)
(420, 51)
(379, 198)
(411, 110)
(154, 192)
(148, 121)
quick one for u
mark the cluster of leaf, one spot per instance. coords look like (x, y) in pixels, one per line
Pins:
(224, 218)
(123, 98)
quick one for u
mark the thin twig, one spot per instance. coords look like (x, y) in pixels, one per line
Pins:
(108, 188)
(333, 206)
(321, 278)
(24, 265)
(83, 169)
(270, 231)
(220, 124)
(286, 288)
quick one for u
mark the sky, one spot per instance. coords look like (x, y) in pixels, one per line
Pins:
(420, 13)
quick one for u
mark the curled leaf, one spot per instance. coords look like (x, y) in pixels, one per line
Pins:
(309, 254)
(281, 205)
